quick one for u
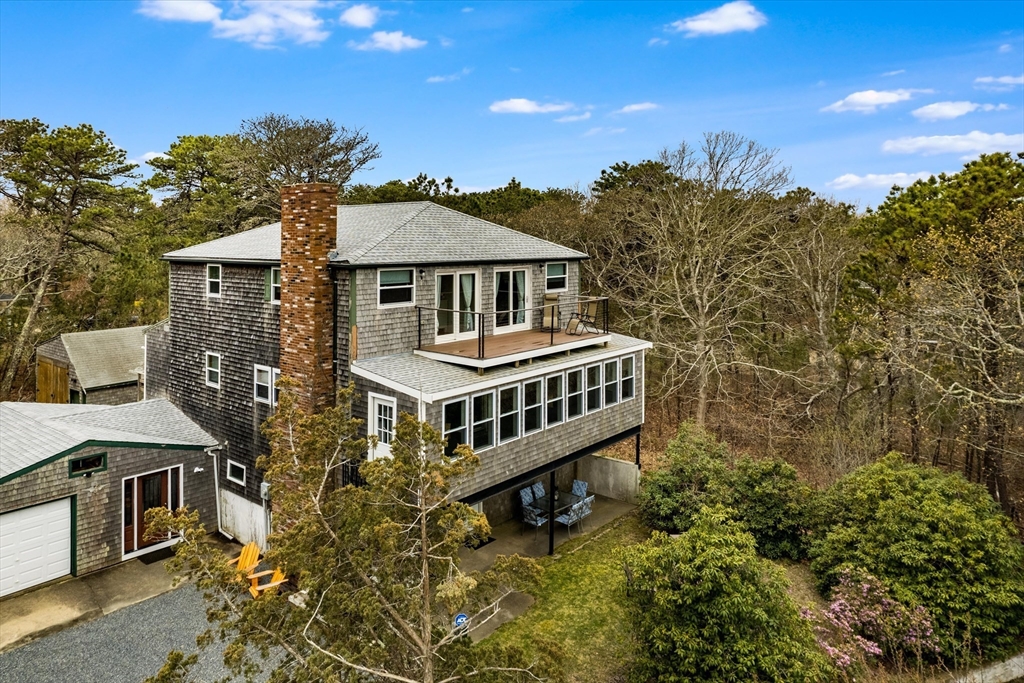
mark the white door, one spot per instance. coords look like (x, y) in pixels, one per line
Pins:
(35, 545)
(458, 299)
(511, 300)
(382, 415)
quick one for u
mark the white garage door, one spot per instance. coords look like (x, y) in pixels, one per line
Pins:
(35, 545)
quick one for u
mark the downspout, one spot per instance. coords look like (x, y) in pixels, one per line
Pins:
(214, 450)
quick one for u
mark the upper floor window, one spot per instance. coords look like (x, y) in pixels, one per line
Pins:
(265, 384)
(383, 410)
(508, 413)
(395, 287)
(556, 400)
(593, 388)
(628, 381)
(213, 370)
(557, 277)
(213, 279)
(273, 288)
(483, 421)
(533, 406)
(236, 472)
(611, 382)
(574, 393)
(456, 424)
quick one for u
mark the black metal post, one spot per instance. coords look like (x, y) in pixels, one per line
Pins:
(551, 516)
(480, 335)
(419, 327)
(638, 450)
(606, 315)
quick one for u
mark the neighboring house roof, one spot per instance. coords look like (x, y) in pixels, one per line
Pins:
(405, 233)
(101, 358)
(436, 380)
(37, 433)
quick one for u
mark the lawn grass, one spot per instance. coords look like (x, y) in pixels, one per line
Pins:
(579, 606)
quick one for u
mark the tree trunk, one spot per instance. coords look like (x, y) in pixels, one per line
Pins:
(14, 361)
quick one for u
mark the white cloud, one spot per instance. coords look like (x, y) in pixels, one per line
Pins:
(632, 108)
(519, 105)
(656, 41)
(360, 16)
(467, 9)
(445, 42)
(897, 72)
(970, 144)
(1006, 47)
(392, 41)
(450, 77)
(729, 18)
(998, 83)
(599, 130)
(869, 101)
(940, 111)
(577, 117)
(262, 24)
(874, 180)
(149, 156)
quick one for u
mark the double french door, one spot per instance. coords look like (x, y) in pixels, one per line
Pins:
(144, 492)
(458, 296)
(511, 300)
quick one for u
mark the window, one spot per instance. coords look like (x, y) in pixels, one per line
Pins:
(557, 277)
(273, 289)
(236, 472)
(628, 381)
(533, 406)
(213, 279)
(262, 377)
(508, 414)
(457, 301)
(511, 299)
(593, 388)
(213, 370)
(86, 465)
(455, 424)
(382, 415)
(574, 393)
(611, 382)
(556, 400)
(396, 287)
(483, 421)
(276, 375)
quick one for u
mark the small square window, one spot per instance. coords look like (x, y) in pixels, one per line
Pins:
(396, 287)
(213, 370)
(213, 279)
(557, 277)
(236, 472)
(87, 465)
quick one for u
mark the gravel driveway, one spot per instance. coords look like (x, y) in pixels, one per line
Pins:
(125, 646)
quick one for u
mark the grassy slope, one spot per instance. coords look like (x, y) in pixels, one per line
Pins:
(578, 605)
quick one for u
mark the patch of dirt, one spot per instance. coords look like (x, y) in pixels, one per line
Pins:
(801, 584)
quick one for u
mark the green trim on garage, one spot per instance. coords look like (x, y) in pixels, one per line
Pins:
(74, 535)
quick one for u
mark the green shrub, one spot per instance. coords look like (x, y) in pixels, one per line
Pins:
(705, 607)
(694, 475)
(936, 540)
(773, 505)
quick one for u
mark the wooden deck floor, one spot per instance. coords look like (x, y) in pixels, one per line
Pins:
(499, 345)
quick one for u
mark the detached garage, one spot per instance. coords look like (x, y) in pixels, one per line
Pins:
(76, 481)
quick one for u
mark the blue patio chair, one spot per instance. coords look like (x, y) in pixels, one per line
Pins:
(534, 518)
(526, 496)
(538, 490)
(579, 488)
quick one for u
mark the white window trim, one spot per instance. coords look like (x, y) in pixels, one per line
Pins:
(519, 413)
(219, 280)
(402, 304)
(382, 449)
(477, 295)
(582, 393)
(493, 418)
(542, 405)
(273, 301)
(555, 263)
(605, 383)
(227, 472)
(135, 514)
(527, 319)
(269, 400)
(467, 408)
(206, 369)
(600, 388)
(622, 377)
(548, 399)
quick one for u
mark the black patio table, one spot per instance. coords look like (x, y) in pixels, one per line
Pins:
(563, 502)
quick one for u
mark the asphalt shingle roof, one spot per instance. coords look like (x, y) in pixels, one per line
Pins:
(405, 233)
(104, 358)
(33, 432)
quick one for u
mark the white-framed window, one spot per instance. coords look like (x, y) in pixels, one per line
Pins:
(555, 399)
(533, 406)
(557, 277)
(611, 382)
(213, 279)
(236, 472)
(483, 421)
(274, 286)
(573, 394)
(383, 413)
(395, 287)
(457, 300)
(593, 388)
(212, 370)
(455, 416)
(508, 413)
(628, 381)
(511, 300)
(264, 380)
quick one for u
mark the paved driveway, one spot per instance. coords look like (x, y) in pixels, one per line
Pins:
(125, 646)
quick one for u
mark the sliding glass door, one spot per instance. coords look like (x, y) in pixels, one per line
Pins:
(511, 299)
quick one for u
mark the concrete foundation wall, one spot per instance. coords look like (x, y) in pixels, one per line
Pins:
(610, 477)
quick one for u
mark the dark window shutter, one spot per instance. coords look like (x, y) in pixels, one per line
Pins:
(266, 284)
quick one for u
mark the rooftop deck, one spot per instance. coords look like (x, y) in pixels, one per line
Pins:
(499, 349)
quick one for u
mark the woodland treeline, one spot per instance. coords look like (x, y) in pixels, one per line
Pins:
(790, 323)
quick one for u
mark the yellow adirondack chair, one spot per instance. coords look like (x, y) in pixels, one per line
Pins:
(256, 589)
(248, 559)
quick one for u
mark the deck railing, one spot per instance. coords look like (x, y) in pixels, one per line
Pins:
(589, 311)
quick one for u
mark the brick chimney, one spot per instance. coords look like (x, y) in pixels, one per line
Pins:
(309, 228)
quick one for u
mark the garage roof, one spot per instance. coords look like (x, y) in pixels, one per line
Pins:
(37, 433)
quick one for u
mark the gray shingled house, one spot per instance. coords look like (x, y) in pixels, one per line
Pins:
(99, 366)
(76, 481)
(476, 328)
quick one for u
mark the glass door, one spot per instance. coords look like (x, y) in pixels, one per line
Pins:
(153, 490)
(457, 297)
(511, 299)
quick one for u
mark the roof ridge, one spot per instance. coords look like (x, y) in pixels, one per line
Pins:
(393, 230)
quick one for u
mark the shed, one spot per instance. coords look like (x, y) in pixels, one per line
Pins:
(99, 366)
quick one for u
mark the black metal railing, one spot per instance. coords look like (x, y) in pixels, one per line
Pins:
(581, 315)
(349, 473)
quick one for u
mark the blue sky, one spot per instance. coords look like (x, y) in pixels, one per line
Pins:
(855, 96)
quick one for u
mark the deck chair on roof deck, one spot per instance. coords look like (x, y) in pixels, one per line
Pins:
(551, 317)
(584, 319)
